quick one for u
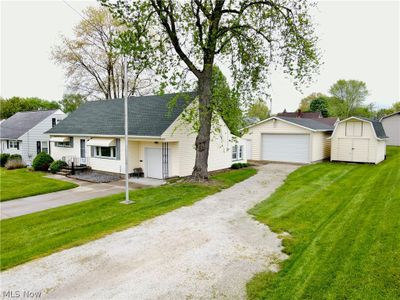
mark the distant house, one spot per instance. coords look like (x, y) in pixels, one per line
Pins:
(287, 139)
(357, 139)
(309, 115)
(391, 124)
(24, 132)
(161, 142)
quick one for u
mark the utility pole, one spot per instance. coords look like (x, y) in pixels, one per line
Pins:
(127, 200)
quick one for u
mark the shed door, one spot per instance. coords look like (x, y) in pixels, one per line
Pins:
(360, 150)
(153, 157)
(286, 147)
(356, 150)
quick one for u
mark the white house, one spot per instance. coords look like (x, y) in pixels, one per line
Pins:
(24, 132)
(161, 142)
(391, 124)
(357, 139)
(288, 139)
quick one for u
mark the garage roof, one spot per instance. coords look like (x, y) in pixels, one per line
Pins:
(313, 124)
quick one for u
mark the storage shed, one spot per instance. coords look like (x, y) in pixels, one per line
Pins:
(357, 139)
(391, 124)
(285, 139)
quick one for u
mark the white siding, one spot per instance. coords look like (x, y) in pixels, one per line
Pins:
(392, 129)
(321, 145)
(364, 148)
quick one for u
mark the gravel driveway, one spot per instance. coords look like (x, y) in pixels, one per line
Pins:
(207, 250)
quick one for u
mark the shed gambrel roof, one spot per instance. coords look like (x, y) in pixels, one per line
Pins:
(20, 123)
(376, 126)
(147, 116)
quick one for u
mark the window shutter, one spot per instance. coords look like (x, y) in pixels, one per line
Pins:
(8, 144)
(72, 142)
(38, 147)
(117, 149)
(92, 148)
(17, 145)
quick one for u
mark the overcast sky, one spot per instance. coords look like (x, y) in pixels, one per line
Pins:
(360, 40)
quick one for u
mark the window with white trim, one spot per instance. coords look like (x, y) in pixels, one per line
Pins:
(45, 147)
(63, 144)
(235, 152)
(105, 152)
(241, 152)
(13, 144)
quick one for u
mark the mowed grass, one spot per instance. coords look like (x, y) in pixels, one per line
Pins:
(23, 183)
(344, 222)
(27, 237)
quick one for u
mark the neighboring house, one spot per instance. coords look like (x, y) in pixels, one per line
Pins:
(24, 132)
(300, 114)
(309, 115)
(285, 139)
(357, 139)
(391, 124)
(161, 142)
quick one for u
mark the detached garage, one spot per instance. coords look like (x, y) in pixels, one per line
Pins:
(285, 139)
(358, 140)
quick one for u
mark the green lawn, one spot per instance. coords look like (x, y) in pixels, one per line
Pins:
(27, 237)
(23, 183)
(344, 221)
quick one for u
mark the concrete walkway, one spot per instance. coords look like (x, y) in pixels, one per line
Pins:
(85, 191)
(205, 251)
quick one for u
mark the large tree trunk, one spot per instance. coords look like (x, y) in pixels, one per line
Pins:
(200, 170)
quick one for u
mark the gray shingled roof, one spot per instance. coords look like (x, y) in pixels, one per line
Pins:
(20, 123)
(313, 124)
(148, 116)
(378, 128)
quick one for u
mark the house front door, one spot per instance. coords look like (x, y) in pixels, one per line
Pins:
(153, 163)
(83, 151)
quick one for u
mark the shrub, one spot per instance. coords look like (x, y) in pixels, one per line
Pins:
(239, 165)
(15, 163)
(57, 165)
(15, 156)
(3, 158)
(42, 162)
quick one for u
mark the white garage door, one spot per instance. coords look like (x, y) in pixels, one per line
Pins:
(286, 147)
(153, 162)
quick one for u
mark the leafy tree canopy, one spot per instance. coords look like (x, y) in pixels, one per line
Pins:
(305, 102)
(188, 37)
(226, 102)
(71, 102)
(259, 110)
(320, 105)
(17, 104)
(93, 63)
(351, 95)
